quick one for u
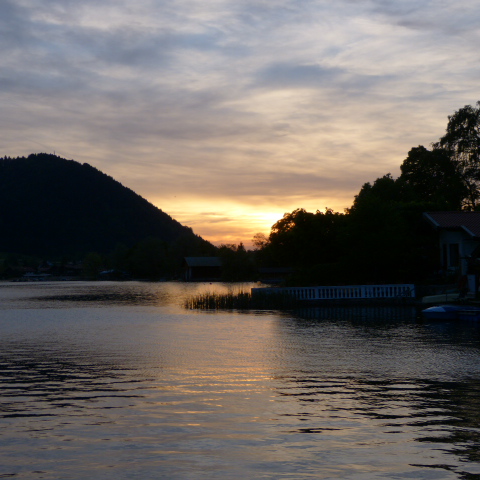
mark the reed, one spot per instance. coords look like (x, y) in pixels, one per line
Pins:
(241, 301)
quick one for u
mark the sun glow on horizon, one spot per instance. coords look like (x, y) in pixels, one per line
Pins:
(228, 222)
(247, 111)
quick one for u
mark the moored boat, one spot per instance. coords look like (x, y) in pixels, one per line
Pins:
(452, 312)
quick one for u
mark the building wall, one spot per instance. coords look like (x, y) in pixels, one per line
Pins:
(455, 247)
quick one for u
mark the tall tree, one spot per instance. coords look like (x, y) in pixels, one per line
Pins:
(302, 238)
(432, 177)
(383, 191)
(387, 236)
(462, 143)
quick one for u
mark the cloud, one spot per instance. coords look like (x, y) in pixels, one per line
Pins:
(251, 105)
(298, 76)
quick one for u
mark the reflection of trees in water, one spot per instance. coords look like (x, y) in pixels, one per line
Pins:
(359, 312)
(457, 333)
(123, 293)
(107, 298)
(38, 382)
(444, 417)
(410, 378)
(443, 414)
(117, 294)
(461, 404)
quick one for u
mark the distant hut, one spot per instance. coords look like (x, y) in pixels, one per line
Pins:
(201, 269)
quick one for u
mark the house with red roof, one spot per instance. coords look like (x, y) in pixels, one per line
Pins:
(459, 237)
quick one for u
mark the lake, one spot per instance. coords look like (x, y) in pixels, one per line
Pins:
(119, 381)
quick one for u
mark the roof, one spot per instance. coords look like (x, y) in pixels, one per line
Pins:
(466, 221)
(203, 261)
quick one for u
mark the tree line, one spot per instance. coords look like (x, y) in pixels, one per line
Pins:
(382, 237)
(79, 220)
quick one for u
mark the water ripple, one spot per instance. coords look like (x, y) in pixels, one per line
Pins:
(142, 390)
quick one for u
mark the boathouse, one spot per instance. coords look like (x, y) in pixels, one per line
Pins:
(200, 269)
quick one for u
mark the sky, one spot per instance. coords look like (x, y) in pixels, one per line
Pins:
(226, 114)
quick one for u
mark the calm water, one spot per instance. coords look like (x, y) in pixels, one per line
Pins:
(119, 381)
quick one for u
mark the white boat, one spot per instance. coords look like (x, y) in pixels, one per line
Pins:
(452, 312)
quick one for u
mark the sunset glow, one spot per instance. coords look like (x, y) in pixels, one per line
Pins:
(227, 115)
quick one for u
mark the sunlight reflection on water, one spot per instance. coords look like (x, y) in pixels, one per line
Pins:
(117, 380)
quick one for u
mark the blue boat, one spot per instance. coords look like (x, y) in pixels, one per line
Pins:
(452, 312)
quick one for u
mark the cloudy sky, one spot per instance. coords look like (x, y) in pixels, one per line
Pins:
(228, 113)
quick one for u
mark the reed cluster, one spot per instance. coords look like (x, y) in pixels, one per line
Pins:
(241, 301)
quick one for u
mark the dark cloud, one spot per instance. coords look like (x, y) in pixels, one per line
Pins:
(251, 103)
(430, 15)
(282, 75)
(294, 76)
(16, 32)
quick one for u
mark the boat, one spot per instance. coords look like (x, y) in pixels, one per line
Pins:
(452, 312)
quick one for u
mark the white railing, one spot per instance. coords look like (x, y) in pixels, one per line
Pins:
(347, 292)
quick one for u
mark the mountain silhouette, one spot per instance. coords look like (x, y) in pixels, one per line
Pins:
(50, 206)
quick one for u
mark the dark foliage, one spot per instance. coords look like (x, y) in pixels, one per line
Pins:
(390, 242)
(462, 144)
(383, 238)
(304, 238)
(432, 176)
(238, 264)
(52, 208)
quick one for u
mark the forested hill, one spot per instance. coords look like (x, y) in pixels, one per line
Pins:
(54, 207)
